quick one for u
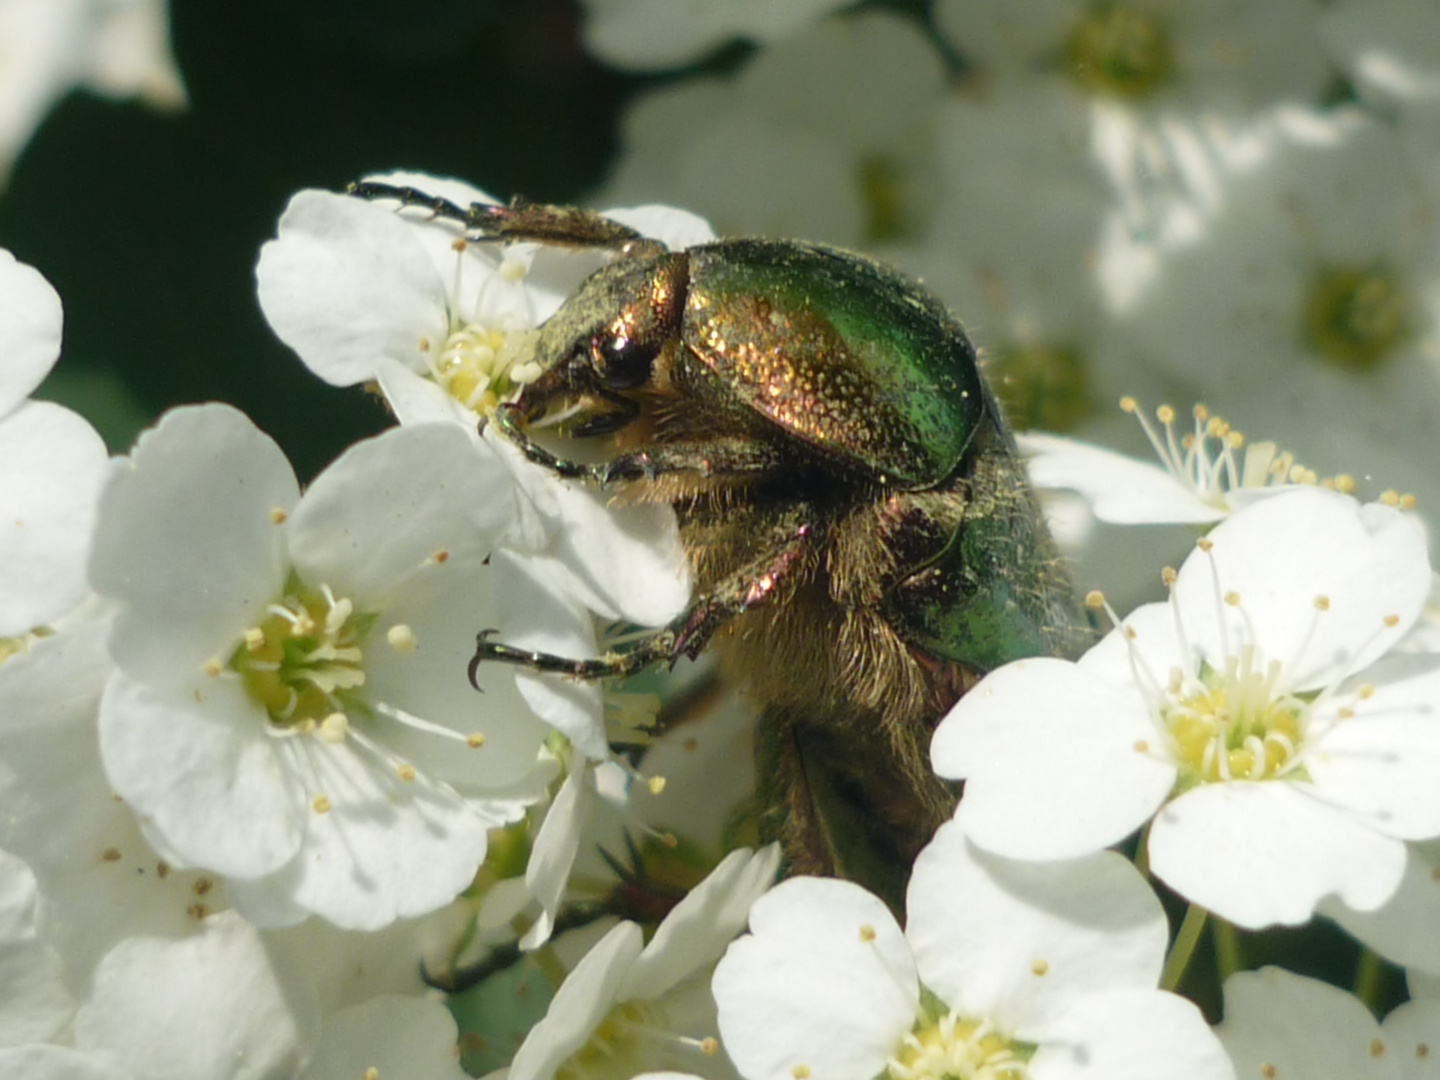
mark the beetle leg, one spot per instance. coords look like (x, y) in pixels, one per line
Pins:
(565, 226)
(754, 584)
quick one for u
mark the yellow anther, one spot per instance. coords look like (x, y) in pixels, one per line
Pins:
(1129, 404)
(475, 740)
(656, 784)
(1040, 967)
(406, 772)
(320, 804)
(1165, 414)
(1232, 598)
(1205, 544)
(1095, 599)
(1168, 576)
(213, 667)
(867, 933)
(1322, 603)
(1390, 498)
(278, 516)
(401, 638)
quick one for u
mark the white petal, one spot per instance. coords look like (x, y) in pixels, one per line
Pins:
(396, 1036)
(1276, 1020)
(42, 1061)
(548, 870)
(1021, 942)
(1050, 760)
(392, 504)
(582, 1001)
(386, 848)
(1410, 1034)
(1279, 555)
(347, 282)
(55, 468)
(215, 1005)
(698, 928)
(532, 614)
(187, 542)
(34, 1003)
(30, 322)
(1403, 928)
(1383, 763)
(824, 981)
(1122, 490)
(443, 606)
(1264, 853)
(204, 774)
(55, 801)
(1131, 1035)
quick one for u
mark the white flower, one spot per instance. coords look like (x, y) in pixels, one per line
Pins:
(1202, 477)
(119, 47)
(1311, 304)
(292, 708)
(55, 463)
(628, 1007)
(646, 35)
(1279, 1024)
(446, 327)
(827, 136)
(1004, 970)
(1249, 715)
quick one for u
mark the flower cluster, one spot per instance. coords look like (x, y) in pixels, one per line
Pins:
(272, 807)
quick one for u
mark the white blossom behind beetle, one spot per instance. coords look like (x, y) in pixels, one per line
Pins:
(1282, 755)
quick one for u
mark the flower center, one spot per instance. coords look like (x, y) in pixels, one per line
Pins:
(1233, 725)
(1042, 386)
(1119, 52)
(631, 1039)
(1355, 318)
(952, 1048)
(483, 366)
(304, 658)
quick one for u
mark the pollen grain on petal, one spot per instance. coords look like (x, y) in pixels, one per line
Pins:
(475, 740)
(1040, 967)
(278, 516)
(867, 933)
(320, 804)
(213, 667)
(406, 772)
(800, 1072)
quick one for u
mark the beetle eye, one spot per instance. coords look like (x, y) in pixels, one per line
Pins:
(624, 363)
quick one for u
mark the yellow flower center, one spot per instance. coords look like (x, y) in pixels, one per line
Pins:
(612, 1042)
(483, 366)
(304, 658)
(951, 1048)
(1355, 318)
(1233, 725)
(1119, 52)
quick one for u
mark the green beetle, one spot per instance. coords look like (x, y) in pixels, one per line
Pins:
(864, 542)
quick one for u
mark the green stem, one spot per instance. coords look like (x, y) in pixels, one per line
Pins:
(1227, 949)
(1184, 947)
(1369, 977)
